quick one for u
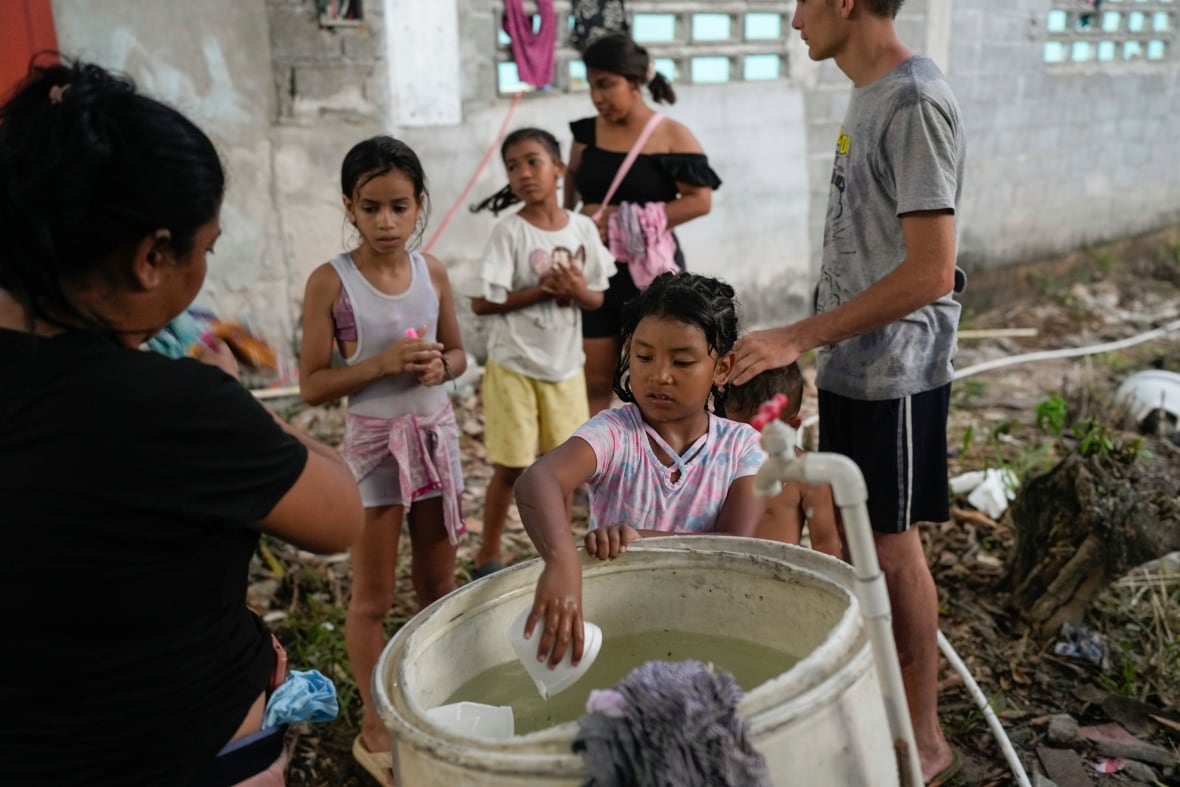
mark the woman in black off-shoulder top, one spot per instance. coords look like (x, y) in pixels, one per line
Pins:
(671, 169)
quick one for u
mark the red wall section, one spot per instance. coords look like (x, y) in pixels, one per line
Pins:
(26, 27)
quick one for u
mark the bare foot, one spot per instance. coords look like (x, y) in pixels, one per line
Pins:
(937, 769)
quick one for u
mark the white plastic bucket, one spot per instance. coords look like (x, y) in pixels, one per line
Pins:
(820, 722)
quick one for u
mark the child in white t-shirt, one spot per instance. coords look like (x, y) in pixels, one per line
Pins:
(542, 266)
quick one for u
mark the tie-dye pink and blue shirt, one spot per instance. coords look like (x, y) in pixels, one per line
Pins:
(631, 486)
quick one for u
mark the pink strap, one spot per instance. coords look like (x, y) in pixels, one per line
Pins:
(632, 154)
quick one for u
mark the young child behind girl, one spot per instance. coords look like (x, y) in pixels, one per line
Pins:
(389, 309)
(541, 267)
(661, 463)
(798, 503)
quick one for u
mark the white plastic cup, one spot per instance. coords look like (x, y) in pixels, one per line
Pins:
(475, 720)
(553, 681)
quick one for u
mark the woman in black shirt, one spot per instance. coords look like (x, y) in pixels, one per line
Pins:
(671, 169)
(133, 487)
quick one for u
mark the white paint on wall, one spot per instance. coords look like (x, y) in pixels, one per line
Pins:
(422, 49)
(219, 100)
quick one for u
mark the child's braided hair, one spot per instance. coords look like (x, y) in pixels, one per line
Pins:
(702, 301)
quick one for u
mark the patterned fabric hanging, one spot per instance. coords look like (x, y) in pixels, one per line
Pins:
(594, 19)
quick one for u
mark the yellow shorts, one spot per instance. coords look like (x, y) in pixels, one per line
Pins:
(524, 417)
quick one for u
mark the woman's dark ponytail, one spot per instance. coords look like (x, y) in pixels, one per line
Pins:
(661, 89)
(618, 53)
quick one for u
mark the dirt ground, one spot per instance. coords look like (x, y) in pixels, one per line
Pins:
(1091, 297)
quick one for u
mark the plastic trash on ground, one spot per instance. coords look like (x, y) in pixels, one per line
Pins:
(990, 491)
(1078, 642)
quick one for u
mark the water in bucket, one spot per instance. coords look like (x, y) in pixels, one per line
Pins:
(508, 683)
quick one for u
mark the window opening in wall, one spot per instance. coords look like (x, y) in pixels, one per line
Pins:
(1110, 31)
(711, 27)
(691, 42)
(760, 67)
(761, 27)
(649, 28)
(340, 12)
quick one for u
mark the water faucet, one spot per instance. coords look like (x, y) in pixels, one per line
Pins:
(850, 495)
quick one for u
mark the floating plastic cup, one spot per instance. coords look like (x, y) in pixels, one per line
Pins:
(474, 719)
(565, 674)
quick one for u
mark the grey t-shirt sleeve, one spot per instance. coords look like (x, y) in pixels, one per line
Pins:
(921, 156)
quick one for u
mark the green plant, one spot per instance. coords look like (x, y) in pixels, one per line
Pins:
(968, 439)
(1051, 415)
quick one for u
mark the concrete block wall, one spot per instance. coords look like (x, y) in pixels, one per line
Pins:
(209, 60)
(330, 89)
(1059, 156)
(756, 235)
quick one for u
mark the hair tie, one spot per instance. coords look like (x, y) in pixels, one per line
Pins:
(57, 93)
(651, 71)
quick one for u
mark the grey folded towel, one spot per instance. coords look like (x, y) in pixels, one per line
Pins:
(669, 724)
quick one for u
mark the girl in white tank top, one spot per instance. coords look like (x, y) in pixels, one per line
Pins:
(390, 312)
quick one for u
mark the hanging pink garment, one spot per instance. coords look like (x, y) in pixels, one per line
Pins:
(639, 236)
(533, 52)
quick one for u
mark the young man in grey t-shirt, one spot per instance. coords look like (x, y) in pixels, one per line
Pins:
(886, 321)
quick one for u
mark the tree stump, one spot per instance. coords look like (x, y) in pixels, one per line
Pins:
(1085, 523)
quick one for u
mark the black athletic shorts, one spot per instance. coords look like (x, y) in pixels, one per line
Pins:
(900, 446)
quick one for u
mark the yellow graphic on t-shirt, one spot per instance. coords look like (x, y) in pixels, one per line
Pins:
(843, 143)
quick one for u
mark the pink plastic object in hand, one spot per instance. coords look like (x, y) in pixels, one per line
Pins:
(769, 411)
(412, 334)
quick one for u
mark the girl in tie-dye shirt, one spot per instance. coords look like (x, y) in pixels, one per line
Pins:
(662, 463)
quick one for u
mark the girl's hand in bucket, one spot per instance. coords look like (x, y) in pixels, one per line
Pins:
(607, 543)
(557, 607)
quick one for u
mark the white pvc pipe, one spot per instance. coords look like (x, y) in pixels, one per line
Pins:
(849, 493)
(944, 644)
(984, 705)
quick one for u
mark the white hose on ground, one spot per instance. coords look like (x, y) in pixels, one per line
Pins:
(1046, 355)
(988, 714)
(944, 645)
(1068, 352)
